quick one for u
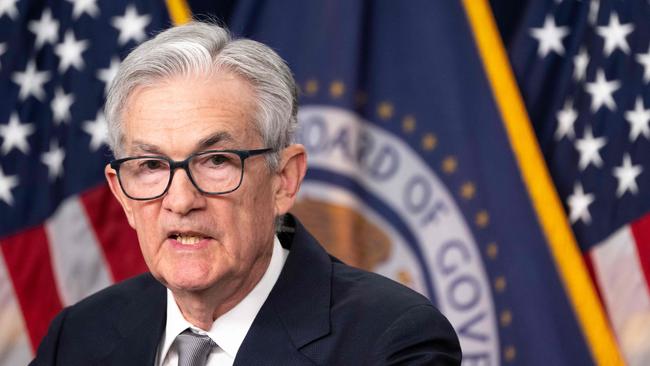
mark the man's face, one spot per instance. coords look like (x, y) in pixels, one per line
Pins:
(176, 118)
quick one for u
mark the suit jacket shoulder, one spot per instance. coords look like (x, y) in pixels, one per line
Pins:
(121, 321)
(399, 326)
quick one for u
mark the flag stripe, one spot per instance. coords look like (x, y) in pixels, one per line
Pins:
(625, 292)
(538, 183)
(27, 256)
(77, 258)
(641, 232)
(15, 348)
(117, 239)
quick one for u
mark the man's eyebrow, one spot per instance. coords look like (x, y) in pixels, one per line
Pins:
(203, 144)
(214, 139)
(146, 148)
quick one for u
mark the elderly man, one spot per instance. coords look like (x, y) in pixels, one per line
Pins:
(206, 171)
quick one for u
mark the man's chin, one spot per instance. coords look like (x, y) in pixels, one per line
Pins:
(188, 283)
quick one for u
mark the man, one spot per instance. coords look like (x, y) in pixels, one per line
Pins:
(206, 172)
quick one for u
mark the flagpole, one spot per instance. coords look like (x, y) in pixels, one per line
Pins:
(179, 11)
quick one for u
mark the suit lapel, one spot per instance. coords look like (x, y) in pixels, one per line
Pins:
(297, 310)
(141, 325)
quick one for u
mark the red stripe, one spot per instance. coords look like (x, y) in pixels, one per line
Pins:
(27, 255)
(117, 238)
(641, 233)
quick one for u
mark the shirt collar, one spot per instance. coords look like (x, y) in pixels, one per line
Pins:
(230, 329)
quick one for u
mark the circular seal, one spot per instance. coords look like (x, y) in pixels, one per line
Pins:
(376, 204)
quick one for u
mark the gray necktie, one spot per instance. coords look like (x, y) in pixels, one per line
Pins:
(193, 349)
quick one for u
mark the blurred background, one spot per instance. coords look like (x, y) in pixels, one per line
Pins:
(492, 155)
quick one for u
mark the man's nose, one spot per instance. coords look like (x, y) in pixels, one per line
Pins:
(182, 196)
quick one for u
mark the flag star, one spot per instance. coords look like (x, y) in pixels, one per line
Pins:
(580, 62)
(644, 60)
(61, 106)
(579, 203)
(588, 146)
(70, 52)
(8, 7)
(54, 160)
(46, 29)
(14, 135)
(566, 118)
(31, 82)
(84, 6)
(626, 175)
(601, 92)
(131, 25)
(614, 35)
(97, 130)
(107, 75)
(7, 183)
(549, 37)
(594, 6)
(638, 119)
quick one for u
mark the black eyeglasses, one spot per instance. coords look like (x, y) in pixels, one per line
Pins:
(212, 172)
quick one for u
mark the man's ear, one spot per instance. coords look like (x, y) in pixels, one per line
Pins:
(114, 184)
(292, 169)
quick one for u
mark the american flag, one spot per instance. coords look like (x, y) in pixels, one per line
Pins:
(62, 235)
(583, 68)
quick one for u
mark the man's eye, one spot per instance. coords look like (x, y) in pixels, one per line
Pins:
(218, 159)
(151, 164)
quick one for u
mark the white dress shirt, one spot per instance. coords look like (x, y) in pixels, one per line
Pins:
(230, 329)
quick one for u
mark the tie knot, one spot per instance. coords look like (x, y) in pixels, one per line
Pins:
(193, 349)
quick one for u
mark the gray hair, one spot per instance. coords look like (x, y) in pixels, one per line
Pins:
(200, 48)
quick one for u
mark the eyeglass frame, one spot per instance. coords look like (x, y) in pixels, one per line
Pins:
(185, 165)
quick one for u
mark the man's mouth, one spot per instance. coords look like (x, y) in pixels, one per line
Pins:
(187, 238)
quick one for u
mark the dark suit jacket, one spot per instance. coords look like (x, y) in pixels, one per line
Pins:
(320, 311)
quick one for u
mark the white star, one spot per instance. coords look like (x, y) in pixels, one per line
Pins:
(601, 92)
(70, 52)
(61, 105)
(566, 117)
(644, 60)
(549, 37)
(588, 147)
(14, 135)
(7, 183)
(31, 82)
(579, 204)
(97, 130)
(594, 5)
(3, 49)
(614, 35)
(84, 6)
(131, 25)
(54, 160)
(638, 119)
(46, 29)
(8, 7)
(626, 175)
(107, 75)
(580, 62)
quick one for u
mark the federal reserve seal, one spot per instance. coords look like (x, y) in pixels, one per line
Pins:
(373, 201)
